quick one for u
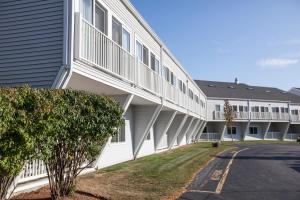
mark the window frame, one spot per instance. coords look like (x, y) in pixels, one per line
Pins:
(100, 6)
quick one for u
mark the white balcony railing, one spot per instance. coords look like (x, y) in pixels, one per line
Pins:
(218, 115)
(273, 136)
(92, 47)
(210, 137)
(97, 49)
(295, 118)
(241, 115)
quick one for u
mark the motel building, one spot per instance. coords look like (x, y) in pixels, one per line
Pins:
(260, 113)
(107, 48)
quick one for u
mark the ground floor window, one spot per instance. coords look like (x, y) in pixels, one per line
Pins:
(253, 130)
(231, 130)
(148, 136)
(120, 137)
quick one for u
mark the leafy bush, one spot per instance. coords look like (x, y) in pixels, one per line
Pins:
(17, 108)
(66, 129)
(73, 132)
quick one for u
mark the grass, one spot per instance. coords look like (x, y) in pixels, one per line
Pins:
(159, 176)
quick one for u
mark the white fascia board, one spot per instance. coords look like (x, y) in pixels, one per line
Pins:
(240, 99)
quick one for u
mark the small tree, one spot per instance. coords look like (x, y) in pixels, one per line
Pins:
(72, 132)
(17, 106)
(228, 115)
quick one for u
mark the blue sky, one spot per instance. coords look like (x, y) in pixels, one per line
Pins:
(257, 41)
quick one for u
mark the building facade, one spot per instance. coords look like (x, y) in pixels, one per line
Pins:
(260, 113)
(107, 48)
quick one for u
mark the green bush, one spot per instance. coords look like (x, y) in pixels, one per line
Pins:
(17, 108)
(64, 128)
(72, 134)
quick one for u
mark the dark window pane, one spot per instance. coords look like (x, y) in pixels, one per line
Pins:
(117, 31)
(100, 18)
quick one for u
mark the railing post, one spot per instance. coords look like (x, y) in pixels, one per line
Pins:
(77, 35)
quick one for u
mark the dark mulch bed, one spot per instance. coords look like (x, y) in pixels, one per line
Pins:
(44, 194)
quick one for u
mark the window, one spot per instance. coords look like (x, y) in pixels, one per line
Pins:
(241, 108)
(255, 109)
(120, 137)
(205, 130)
(197, 99)
(173, 79)
(231, 130)
(117, 31)
(139, 51)
(234, 108)
(86, 9)
(264, 109)
(101, 18)
(184, 88)
(286, 110)
(126, 40)
(154, 63)
(191, 94)
(253, 130)
(167, 74)
(295, 112)
(218, 108)
(145, 55)
(180, 85)
(275, 109)
(246, 109)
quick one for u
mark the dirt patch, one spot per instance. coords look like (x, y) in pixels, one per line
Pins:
(44, 194)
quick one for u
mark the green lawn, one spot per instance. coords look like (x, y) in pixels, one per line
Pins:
(159, 176)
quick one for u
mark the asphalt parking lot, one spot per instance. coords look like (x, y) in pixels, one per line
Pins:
(251, 172)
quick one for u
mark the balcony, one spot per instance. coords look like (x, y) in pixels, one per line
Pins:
(295, 118)
(217, 115)
(269, 116)
(94, 48)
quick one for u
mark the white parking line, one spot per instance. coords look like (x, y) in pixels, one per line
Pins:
(223, 179)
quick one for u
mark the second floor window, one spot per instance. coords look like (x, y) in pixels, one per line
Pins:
(117, 31)
(145, 55)
(218, 108)
(126, 40)
(295, 112)
(154, 63)
(275, 110)
(86, 9)
(101, 18)
(167, 74)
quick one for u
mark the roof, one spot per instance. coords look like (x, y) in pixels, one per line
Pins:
(215, 89)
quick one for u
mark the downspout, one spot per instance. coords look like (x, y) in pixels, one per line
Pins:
(65, 72)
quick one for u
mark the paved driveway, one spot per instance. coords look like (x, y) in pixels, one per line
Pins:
(258, 172)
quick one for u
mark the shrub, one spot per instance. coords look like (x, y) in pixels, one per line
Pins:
(66, 129)
(73, 131)
(17, 108)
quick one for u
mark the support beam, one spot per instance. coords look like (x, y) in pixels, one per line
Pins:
(145, 117)
(246, 130)
(125, 101)
(197, 130)
(189, 135)
(286, 131)
(175, 129)
(162, 126)
(201, 130)
(267, 130)
(223, 132)
(185, 129)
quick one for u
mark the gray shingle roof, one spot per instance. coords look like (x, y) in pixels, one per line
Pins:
(244, 91)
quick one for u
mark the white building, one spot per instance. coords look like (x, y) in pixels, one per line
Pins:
(106, 47)
(260, 113)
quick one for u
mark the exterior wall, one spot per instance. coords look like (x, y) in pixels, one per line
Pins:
(115, 153)
(31, 38)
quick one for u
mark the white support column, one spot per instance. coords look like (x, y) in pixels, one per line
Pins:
(201, 130)
(185, 129)
(190, 133)
(145, 117)
(267, 130)
(286, 131)
(162, 126)
(223, 132)
(246, 130)
(175, 129)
